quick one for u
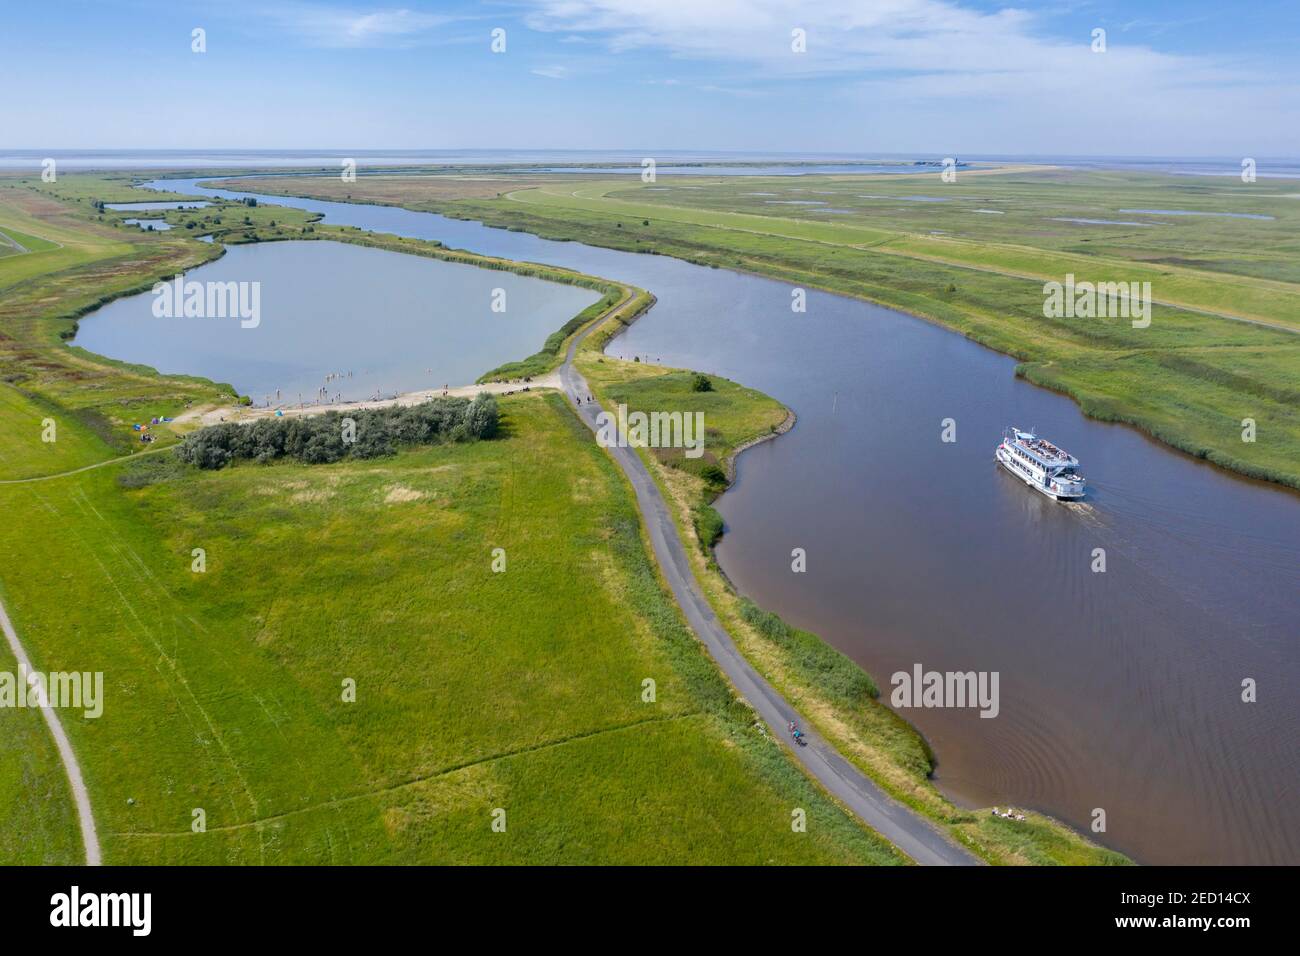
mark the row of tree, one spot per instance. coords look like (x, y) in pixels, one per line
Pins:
(333, 436)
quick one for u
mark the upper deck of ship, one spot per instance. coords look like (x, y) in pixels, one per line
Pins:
(1044, 450)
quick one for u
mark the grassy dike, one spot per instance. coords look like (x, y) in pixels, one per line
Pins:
(522, 690)
(836, 695)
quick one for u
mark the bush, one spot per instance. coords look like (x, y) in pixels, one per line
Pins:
(482, 416)
(713, 475)
(820, 664)
(701, 383)
(319, 439)
(708, 526)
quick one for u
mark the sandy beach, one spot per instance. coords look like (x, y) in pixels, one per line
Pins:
(247, 413)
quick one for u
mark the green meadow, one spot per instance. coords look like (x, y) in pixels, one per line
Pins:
(24, 450)
(346, 670)
(38, 824)
(1203, 253)
(474, 689)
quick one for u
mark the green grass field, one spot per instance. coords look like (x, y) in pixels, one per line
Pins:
(475, 690)
(25, 453)
(1014, 223)
(13, 241)
(38, 825)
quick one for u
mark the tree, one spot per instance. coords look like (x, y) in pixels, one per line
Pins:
(482, 416)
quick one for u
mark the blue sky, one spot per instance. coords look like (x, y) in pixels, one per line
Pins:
(1190, 78)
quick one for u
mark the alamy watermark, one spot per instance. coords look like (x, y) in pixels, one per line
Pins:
(209, 300)
(1086, 300)
(654, 430)
(129, 910)
(75, 690)
(935, 689)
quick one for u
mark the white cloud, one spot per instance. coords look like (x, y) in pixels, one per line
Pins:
(323, 26)
(842, 34)
(936, 55)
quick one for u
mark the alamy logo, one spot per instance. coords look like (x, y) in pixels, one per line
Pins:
(209, 300)
(78, 690)
(656, 430)
(946, 689)
(1086, 300)
(74, 908)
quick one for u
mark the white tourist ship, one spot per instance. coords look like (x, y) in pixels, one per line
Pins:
(1040, 464)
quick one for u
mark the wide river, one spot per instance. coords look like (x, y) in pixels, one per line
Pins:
(1119, 691)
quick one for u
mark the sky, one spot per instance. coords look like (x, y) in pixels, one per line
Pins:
(935, 77)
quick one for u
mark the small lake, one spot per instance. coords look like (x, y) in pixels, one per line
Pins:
(1099, 222)
(149, 206)
(1119, 690)
(149, 225)
(1190, 212)
(377, 321)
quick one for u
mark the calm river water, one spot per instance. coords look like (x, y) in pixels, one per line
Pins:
(1120, 690)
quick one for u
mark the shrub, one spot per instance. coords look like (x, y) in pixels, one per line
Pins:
(708, 526)
(482, 416)
(822, 665)
(319, 439)
(713, 475)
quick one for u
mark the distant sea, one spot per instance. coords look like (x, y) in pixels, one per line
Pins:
(587, 160)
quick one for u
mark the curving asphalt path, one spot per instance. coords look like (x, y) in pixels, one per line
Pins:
(898, 824)
(89, 836)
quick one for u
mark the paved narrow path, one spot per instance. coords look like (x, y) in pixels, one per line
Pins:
(11, 241)
(902, 827)
(89, 837)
